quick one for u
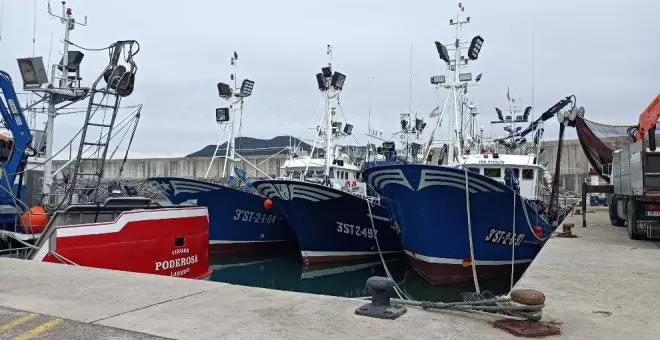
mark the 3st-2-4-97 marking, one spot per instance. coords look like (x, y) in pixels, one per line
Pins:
(351, 229)
(500, 236)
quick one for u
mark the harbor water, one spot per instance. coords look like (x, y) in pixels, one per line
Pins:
(348, 280)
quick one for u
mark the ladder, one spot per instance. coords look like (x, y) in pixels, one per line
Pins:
(102, 108)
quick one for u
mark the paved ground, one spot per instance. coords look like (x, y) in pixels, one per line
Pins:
(22, 325)
(600, 285)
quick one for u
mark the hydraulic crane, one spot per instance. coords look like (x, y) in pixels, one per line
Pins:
(13, 152)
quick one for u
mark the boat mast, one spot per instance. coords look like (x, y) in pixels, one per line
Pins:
(459, 83)
(328, 122)
(69, 24)
(234, 101)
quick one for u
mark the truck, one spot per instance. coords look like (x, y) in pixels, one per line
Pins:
(635, 178)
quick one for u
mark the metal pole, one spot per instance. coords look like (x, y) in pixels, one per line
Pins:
(48, 165)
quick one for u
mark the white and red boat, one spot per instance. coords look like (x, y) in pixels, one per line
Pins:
(129, 234)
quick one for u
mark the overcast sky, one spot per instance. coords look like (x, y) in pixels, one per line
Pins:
(606, 53)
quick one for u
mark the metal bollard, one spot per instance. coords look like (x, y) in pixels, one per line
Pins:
(380, 306)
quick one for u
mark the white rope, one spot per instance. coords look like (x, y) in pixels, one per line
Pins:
(513, 236)
(61, 258)
(399, 292)
(469, 221)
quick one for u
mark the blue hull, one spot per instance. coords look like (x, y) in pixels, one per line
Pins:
(429, 204)
(238, 221)
(331, 225)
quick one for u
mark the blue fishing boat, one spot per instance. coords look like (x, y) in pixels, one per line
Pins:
(241, 221)
(325, 202)
(478, 215)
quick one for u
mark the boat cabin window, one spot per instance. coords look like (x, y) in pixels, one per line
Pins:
(528, 173)
(516, 172)
(493, 172)
(474, 170)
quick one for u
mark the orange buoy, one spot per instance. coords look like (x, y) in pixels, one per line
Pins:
(34, 220)
(268, 203)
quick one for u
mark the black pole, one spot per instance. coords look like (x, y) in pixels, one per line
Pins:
(651, 133)
(584, 204)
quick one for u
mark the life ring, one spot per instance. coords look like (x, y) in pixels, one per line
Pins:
(353, 184)
(347, 184)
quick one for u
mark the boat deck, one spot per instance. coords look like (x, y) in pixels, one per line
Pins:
(600, 285)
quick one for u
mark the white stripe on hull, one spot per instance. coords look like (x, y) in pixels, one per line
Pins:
(230, 241)
(440, 260)
(343, 253)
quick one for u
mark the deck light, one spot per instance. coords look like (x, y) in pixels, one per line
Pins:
(475, 47)
(437, 80)
(442, 52)
(224, 91)
(465, 77)
(246, 88)
(222, 114)
(348, 129)
(327, 71)
(32, 71)
(499, 114)
(337, 81)
(321, 81)
(75, 57)
(419, 124)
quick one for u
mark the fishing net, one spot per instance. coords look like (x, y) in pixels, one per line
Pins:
(599, 140)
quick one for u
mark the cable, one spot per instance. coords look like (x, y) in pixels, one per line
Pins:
(91, 49)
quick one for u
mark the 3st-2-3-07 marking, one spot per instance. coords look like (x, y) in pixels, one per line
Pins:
(351, 229)
(500, 236)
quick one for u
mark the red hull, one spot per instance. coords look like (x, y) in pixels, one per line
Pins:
(170, 242)
(253, 248)
(443, 274)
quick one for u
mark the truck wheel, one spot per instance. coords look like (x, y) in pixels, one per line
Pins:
(614, 218)
(631, 221)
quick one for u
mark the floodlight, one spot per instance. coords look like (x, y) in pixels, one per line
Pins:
(465, 77)
(32, 71)
(75, 57)
(327, 71)
(389, 146)
(321, 80)
(499, 114)
(419, 124)
(475, 47)
(442, 52)
(336, 126)
(246, 88)
(437, 80)
(404, 125)
(478, 78)
(222, 114)
(348, 129)
(414, 148)
(337, 81)
(224, 91)
(528, 110)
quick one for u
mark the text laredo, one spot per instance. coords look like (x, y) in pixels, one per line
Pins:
(255, 217)
(184, 261)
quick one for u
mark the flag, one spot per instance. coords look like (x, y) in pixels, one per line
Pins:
(241, 174)
(508, 97)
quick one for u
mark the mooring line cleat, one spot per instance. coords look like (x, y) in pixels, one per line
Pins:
(380, 306)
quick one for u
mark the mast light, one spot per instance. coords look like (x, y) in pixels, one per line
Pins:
(475, 47)
(442, 52)
(337, 81)
(320, 79)
(224, 91)
(32, 71)
(246, 88)
(437, 80)
(465, 77)
(222, 114)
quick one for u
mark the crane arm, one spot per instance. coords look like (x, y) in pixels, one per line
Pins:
(14, 121)
(649, 118)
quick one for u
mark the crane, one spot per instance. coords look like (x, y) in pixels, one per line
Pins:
(648, 120)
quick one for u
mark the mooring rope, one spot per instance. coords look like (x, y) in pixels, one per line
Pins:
(469, 221)
(513, 238)
(399, 292)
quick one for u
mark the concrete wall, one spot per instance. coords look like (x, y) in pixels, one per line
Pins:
(194, 167)
(574, 166)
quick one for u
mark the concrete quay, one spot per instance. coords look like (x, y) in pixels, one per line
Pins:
(600, 285)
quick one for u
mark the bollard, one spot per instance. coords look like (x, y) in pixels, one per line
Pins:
(380, 306)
